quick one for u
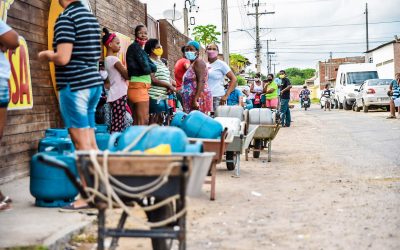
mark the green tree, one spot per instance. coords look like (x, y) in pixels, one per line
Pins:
(241, 81)
(238, 62)
(299, 76)
(206, 34)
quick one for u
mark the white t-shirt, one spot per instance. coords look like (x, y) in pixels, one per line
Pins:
(216, 73)
(118, 86)
(4, 64)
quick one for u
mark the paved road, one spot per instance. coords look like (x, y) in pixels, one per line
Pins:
(333, 183)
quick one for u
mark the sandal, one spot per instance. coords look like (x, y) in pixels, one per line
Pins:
(4, 206)
(70, 208)
(391, 117)
(5, 199)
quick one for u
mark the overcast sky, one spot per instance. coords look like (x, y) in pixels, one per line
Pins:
(298, 45)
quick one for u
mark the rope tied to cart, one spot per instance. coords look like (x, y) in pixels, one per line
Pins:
(113, 188)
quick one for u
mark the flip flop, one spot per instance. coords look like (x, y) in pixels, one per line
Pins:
(4, 206)
(70, 208)
(391, 117)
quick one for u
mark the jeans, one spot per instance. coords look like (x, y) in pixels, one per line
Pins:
(285, 112)
(78, 107)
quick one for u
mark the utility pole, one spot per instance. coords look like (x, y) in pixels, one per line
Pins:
(274, 67)
(366, 24)
(186, 19)
(257, 14)
(225, 30)
(269, 55)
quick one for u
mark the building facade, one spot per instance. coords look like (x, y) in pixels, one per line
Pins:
(386, 57)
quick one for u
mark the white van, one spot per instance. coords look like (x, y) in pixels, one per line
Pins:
(349, 79)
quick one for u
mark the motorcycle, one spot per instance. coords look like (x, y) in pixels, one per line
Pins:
(306, 102)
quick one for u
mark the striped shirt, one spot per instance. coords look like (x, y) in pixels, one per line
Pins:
(78, 26)
(162, 74)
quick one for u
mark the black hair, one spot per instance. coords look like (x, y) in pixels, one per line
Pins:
(213, 44)
(258, 75)
(271, 75)
(183, 49)
(106, 35)
(282, 71)
(150, 45)
(138, 28)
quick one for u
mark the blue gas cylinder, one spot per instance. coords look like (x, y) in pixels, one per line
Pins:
(102, 136)
(153, 138)
(56, 132)
(55, 144)
(198, 125)
(101, 128)
(56, 140)
(50, 185)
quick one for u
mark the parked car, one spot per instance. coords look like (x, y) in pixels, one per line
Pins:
(349, 78)
(373, 94)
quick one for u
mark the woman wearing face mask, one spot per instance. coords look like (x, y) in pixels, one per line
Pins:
(161, 82)
(217, 70)
(139, 69)
(271, 92)
(117, 75)
(195, 93)
(256, 89)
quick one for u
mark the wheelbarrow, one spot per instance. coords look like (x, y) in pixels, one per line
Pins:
(152, 182)
(235, 119)
(217, 146)
(266, 125)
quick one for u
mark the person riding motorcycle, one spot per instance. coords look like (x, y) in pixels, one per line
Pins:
(305, 93)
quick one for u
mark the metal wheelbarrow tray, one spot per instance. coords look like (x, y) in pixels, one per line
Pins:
(186, 176)
(217, 146)
(263, 136)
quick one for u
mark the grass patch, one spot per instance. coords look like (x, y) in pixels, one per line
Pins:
(29, 248)
(84, 238)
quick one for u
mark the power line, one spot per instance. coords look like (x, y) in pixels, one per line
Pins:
(325, 26)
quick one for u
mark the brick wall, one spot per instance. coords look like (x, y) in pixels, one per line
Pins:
(119, 15)
(25, 127)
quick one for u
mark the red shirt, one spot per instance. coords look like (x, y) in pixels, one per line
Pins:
(179, 70)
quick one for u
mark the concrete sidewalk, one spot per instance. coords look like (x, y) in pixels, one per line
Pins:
(27, 225)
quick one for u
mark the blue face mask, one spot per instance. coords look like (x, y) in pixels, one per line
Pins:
(190, 55)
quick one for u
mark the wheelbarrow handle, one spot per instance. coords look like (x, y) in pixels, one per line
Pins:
(54, 162)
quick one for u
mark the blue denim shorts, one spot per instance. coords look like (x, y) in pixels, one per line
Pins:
(4, 94)
(78, 107)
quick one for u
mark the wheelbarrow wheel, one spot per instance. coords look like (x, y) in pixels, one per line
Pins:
(231, 160)
(257, 147)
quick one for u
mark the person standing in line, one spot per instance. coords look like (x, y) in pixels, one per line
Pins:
(179, 70)
(285, 98)
(217, 70)
(8, 41)
(118, 76)
(256, 90)
(235, 98)
(271, 93)
(394, 93)
(140, 68)
(195, 93)
(76, 54)
(161, 82)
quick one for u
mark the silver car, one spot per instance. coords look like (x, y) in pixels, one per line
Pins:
(372, 94)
